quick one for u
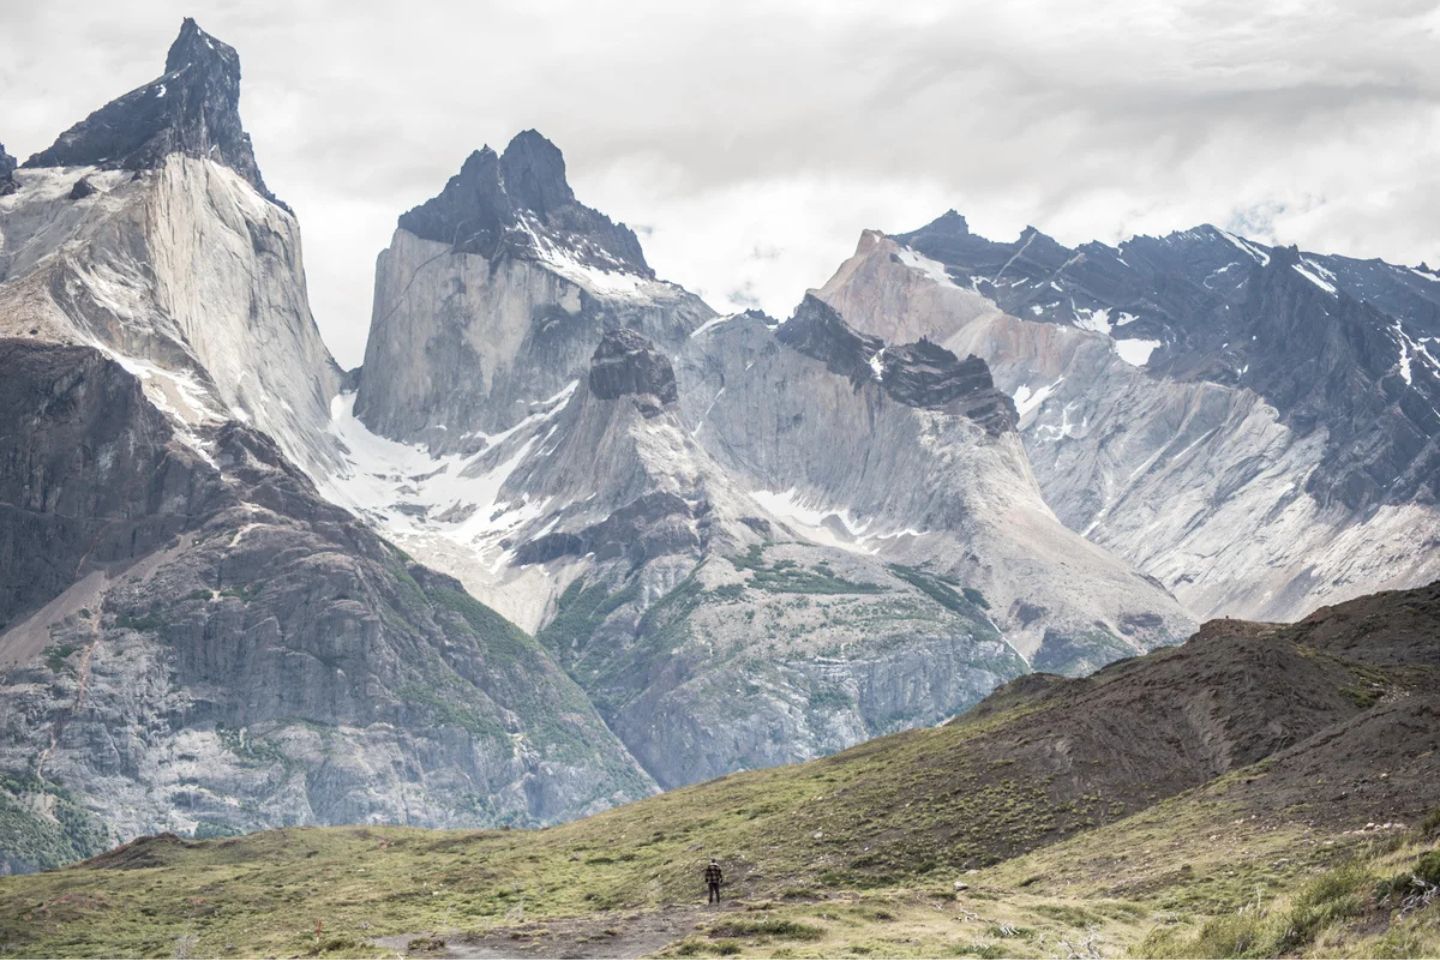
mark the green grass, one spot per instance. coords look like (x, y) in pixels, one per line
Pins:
(327, 891)
(580, 611)
(967, 602)
(854, 854)
(58, 655)
(766, 928)
(1363, 906)
(787, 576)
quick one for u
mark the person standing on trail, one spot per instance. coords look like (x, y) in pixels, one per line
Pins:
(714, 876)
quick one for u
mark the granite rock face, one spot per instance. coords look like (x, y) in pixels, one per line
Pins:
(191, 109)
(215, 649)
(88, 472)
(185, 274)
(707, 637)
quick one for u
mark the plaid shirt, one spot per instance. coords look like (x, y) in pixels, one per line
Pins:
(713, 873)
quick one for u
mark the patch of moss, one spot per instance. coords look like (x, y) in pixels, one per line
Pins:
(257, 751)
(454, 712)
(501, 639)
(148, 621)
(967, 602)
(786, 576)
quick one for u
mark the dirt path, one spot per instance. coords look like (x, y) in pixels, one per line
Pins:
(633, 934)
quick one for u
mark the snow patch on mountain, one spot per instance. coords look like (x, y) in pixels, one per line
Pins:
(1246, 247)
(930, 268)
(821, 524)
(1096, 321)
(1136, 352)
(1308, 270)
(1027, 399)
(712, 323)
(614, 281)
(407, 490)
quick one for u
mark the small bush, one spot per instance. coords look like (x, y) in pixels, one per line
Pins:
(1426, 872)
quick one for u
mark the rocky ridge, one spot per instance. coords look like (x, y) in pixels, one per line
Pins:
(1332, 343)
(1177, 473)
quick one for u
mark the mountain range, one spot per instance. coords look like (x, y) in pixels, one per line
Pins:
(570, 537)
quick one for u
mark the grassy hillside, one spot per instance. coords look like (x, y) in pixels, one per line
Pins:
(1259, 791)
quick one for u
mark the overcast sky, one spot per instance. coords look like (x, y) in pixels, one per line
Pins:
(748, 143)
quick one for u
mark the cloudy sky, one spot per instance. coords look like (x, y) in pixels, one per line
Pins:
(750, 142)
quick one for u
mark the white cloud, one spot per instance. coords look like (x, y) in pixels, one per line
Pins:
(756, 139)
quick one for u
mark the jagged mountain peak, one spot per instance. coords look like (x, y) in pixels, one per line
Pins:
(191, 109)
(533, 169)
(626, 363)
(950, 222)
(520, 203)
(194, 47)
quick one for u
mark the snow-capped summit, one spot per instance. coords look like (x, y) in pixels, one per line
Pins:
(191, 109)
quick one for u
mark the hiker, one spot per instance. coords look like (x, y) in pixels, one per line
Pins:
(714, 876)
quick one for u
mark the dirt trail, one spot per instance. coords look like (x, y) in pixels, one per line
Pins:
(633, 934)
